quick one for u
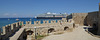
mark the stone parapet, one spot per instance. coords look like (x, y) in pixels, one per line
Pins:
(9, 30)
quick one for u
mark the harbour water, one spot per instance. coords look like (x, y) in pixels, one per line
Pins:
(6, 21)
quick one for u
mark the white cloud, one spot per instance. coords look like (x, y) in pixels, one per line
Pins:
(14, 14)
(6, 14)
(10, 15)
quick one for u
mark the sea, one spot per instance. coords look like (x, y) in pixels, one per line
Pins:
(6, 21)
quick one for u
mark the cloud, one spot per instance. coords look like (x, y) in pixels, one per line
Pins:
(14, 14)
(6, 14)
(10, 15)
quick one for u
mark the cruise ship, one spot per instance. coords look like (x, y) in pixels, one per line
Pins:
(49, 15)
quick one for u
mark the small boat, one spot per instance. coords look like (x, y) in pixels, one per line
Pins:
(8, 19)
(35, 16)
(17, 19)
(30, 19)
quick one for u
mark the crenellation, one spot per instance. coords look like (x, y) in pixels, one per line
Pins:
(37, 22)
(4, 30)
(53, 21)
(12, 27)
(9, 27)
(44, 22)
(30, 22)
(22, 23)
(64, 20)
(47, 21)
(26, 22)
(17, 24)
(8, 30)
(59, 22)
(69, 20)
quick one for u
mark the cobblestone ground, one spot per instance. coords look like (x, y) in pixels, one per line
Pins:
(77, 34)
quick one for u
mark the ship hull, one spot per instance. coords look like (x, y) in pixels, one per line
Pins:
(50, 17)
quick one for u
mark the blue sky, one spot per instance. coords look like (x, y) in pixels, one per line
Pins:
(30, 8)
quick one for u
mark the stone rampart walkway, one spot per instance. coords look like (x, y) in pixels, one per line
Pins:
(77, 34)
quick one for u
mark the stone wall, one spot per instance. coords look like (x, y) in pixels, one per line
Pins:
(45, 28)
(47, 23)
(87, 19)
(42, 28)
(22, 36)
(79, 18)
(91, 18)
(99, 21)
(9, 30)
(52, 23)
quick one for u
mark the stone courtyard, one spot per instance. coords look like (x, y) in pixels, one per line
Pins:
(77, 34)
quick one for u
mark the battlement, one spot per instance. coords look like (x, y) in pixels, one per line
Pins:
(45, 21)
(49, 22)
(10, 29)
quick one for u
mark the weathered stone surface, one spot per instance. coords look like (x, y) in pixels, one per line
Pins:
(85, 18)
(45, 28)
(79, 18)
(99, 21)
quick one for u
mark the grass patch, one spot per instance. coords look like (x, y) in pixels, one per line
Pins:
(40, 36)
(58, 33)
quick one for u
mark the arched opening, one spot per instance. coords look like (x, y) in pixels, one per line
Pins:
(50, 30)
(94, 28)
(73, 25)
(65, 28)
(28, 22)
(29, 32)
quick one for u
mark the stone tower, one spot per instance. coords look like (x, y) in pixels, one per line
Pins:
(99, 21)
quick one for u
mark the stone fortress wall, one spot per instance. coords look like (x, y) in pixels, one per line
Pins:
(10, 31)
(45, 26)
(86, 18)
(99, 21)
(79, 18)
(90, 19)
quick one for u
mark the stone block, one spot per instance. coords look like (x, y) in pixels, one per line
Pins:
(12, 26)
(26, 22)
(4, 29)
(17, 24)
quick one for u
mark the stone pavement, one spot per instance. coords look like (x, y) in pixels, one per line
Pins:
(77, 34)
